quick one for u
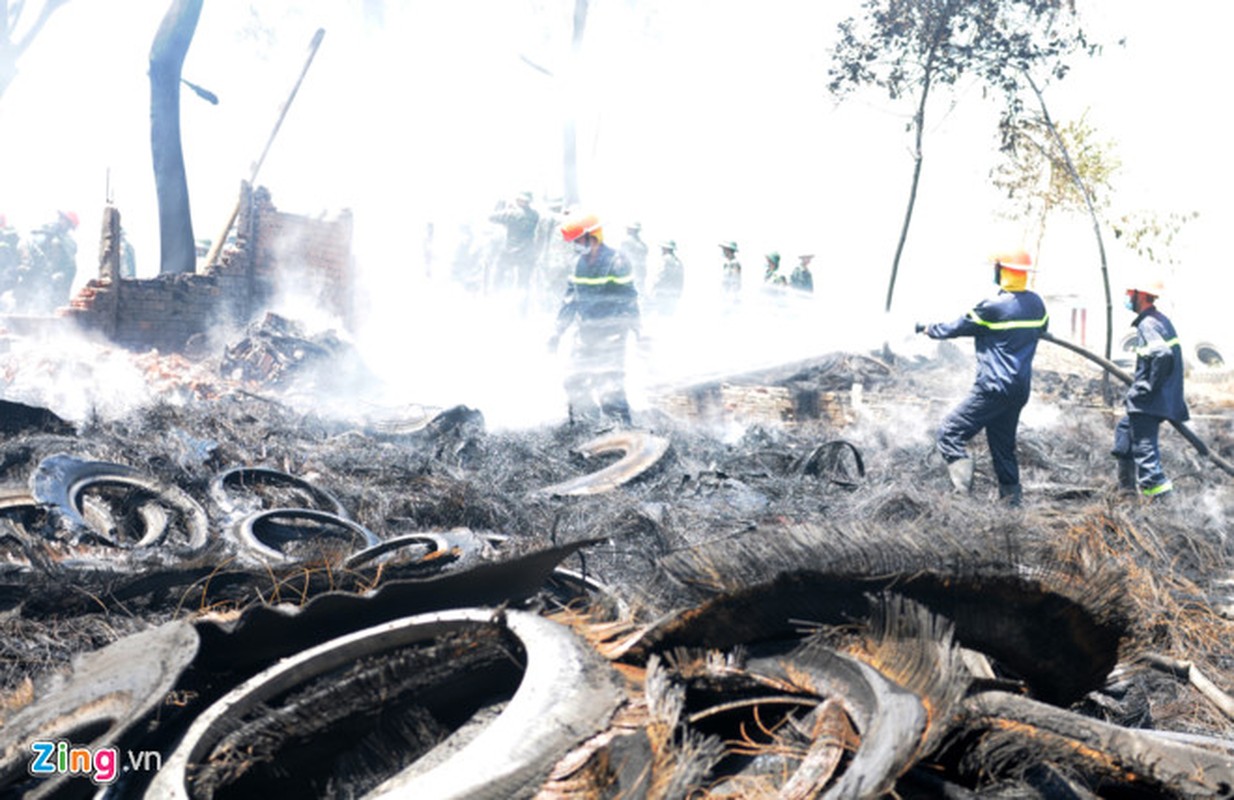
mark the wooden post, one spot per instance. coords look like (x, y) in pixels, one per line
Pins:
(216, 247)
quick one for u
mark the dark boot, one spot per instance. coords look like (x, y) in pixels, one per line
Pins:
(1126, 477)
(961, 474)
(1011, 494)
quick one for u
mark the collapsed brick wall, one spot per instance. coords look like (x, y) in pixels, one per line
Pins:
(272, 251)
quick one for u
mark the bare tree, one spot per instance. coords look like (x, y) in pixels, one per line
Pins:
(909, 47)
(171, 43)
(11, 50)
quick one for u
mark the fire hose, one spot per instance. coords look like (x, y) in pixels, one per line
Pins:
(1188, 434)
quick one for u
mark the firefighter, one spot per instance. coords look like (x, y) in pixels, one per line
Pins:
(1005, 329)
(602, 299)
(1155, 394)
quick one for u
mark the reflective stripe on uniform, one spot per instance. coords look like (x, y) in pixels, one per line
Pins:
(1144, 351)
(602, 280)
(1009, 324)
(1160, 488)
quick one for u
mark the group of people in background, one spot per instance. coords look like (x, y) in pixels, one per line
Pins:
(800, 279)
(520, 250)
(36, 275)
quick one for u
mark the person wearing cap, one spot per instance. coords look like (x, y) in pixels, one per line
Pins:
(670, 280)
(802, 279)
(50, 265)
(602, 301)
(1155, 395)
(771, 270)
(518, 256)
(1005, 330)
(730, 271)
(634, 250)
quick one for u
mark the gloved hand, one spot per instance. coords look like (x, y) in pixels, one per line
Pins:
(920, 327)
(553, 341)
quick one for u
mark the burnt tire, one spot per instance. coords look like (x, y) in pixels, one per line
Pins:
(567, 694)
(1210, 355)
(62, 481)
(254, 534)
(225, 486)
(109, 693)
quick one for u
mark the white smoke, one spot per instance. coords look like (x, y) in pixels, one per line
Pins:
(703, 124)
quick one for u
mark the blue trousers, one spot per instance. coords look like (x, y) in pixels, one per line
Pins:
(596, 385)
(1136, 437)
(999, 414)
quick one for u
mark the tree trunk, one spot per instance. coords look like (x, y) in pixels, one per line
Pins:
(177, 248)
(569, 145)
(919, 124)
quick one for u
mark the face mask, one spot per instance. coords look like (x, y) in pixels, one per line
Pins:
(1129, 303)
(581, 248)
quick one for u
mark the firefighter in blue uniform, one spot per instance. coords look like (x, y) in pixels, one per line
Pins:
(1155, 395)
(1005, 329)
(602, 299)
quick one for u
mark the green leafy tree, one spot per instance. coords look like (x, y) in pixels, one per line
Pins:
(907, 48)
(1151, 234)
(1036, 178)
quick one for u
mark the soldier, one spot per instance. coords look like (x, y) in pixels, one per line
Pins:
(10, 255)
(670, 281)
(771, 271)
(730, 271)
(555, 256)
(802, 279)
(635, 251)
(518, 256)
(50, 264)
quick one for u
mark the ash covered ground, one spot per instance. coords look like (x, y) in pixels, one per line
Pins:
(751, 554)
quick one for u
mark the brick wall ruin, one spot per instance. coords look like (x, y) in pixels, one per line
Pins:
(272, 252)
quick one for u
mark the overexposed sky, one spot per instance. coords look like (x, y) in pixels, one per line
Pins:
(704, 119)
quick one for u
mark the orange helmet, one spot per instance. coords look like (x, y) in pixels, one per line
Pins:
(70, 217)
(576, 227)
(1017, 259)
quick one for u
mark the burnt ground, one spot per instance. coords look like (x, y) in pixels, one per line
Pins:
(732, 539)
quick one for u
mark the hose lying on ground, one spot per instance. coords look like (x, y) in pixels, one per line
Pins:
(1113, 369)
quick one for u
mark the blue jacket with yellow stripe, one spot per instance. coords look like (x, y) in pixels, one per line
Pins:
(1157, 386)
(1005, 329)
(602, 292)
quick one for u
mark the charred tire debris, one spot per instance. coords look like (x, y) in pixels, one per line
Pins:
(797, 611)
